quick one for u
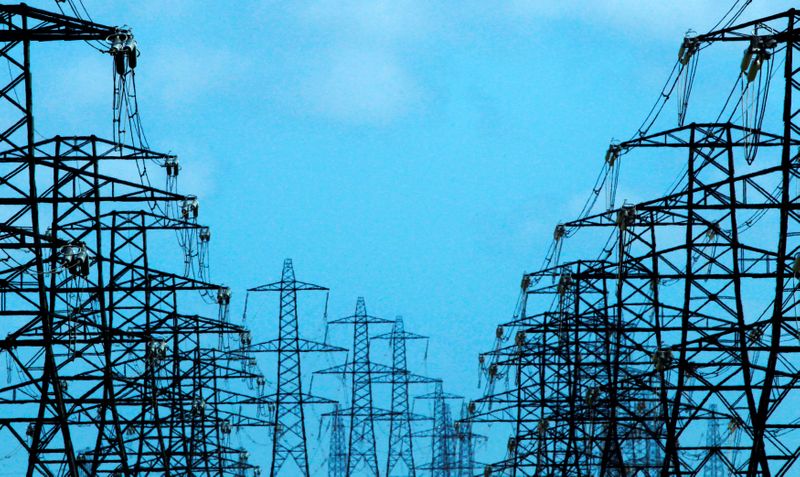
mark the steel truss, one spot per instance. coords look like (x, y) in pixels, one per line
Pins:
(687, 319)
(110, 368)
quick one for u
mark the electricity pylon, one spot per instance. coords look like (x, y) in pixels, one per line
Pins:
(715, 466)
(362, 458)
(619, 359)
(465, 448)
(289, 400)
(337, 452)
(443, 435)
(111, 367)
(401, 446)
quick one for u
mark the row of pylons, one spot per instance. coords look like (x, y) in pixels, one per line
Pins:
(671, 350)
(660, 338)
(353, 444)
(117, 366)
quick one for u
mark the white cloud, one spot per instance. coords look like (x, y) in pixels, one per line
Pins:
(360, 74)
(80, 80)
(641, 17)
(179, 75)
(360, 85)
(379, 21)
(198, 178)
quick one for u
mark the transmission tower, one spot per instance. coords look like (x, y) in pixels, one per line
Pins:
(465, 448)
(337, 453)
(714, 467)
(362, 458)
(110, 364)
(443, 435)
(289, 399)
(401, 448)
(687, 317)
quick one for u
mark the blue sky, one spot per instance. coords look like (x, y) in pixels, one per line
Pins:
(416, 153)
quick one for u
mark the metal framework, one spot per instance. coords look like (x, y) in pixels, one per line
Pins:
(337, 452)
(290, 400)
(111, 369)
(688, 317)
(401, 445)
(443, 435)
(466, 466)
(362, 457)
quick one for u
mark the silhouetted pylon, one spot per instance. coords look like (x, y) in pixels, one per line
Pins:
(289, 399)
(443, 435)
(337, 453)
(362, 457)
(465, 449)
(401, 448)
(715, 465)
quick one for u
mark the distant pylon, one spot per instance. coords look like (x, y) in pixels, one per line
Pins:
(443, 435)
(362, 457)
(467, 439)
(289, 399)
(714, 466)
(337, 453)
(401, 446)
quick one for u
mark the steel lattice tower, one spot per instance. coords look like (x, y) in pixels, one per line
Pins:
(289, 399)
(362, 458)
(401, 448)
(111, 370)
(465, 448)
(688, 316)
(337, 452)
(714, 467)
(443, 435)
